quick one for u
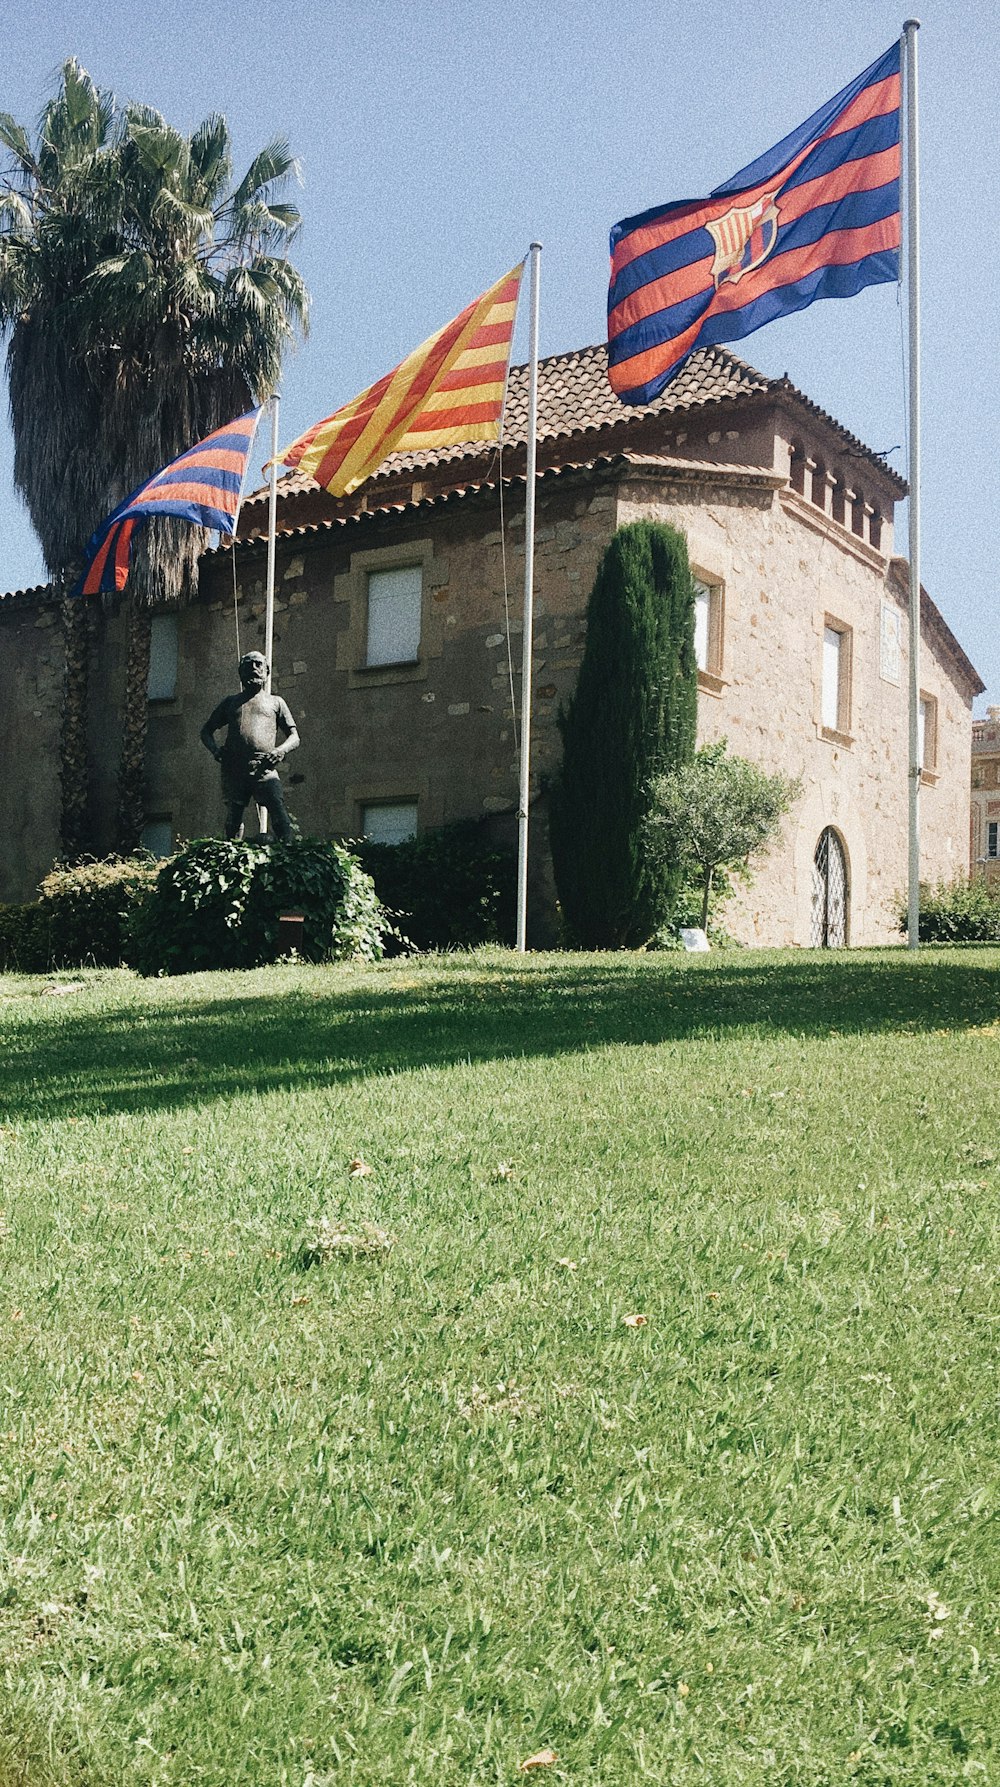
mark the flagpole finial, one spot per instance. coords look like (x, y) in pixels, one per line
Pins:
(532, 245)
(911, 25)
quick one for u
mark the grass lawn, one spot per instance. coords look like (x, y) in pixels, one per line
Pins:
(418, 1516)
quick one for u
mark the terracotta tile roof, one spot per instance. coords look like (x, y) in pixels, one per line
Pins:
(38, 592)
(574, 398)
(692, 470)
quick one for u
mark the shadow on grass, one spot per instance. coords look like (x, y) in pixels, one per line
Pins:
(135, 1058)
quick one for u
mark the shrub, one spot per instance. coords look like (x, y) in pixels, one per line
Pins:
(713, 814)
(958, 911)
(217, 904)
(631, 717)
(24, 939)
(343, 919)
(450, 888)
(81, 918)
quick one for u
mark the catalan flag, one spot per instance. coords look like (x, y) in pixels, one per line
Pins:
(203, 486)
(449, 390)
(815, 217)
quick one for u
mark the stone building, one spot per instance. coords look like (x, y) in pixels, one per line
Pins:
(391, 642)
(984, 830)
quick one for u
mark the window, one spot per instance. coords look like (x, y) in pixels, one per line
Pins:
(158, 837)
(389, 822)
(708, 610)
(836, 699)
(394, 603)
(162, 684)
(993, 837)
(927, 734)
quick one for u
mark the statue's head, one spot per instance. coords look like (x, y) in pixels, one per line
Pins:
(253, 670)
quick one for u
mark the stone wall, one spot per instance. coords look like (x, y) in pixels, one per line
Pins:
(442, 731)
(785, 570)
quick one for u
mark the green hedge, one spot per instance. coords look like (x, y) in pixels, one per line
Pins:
(450, 888)
(90, 908)
(217, 904)
(24, 939)
(958, 911)
(81, 919)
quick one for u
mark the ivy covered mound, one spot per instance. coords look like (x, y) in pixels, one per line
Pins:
(218, 904)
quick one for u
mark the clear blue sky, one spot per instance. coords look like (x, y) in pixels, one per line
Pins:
(437, 139)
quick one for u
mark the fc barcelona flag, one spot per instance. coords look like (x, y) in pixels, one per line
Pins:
(450, 390)
(816, 217)
(203, 486)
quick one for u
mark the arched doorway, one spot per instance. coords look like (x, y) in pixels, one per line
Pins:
(830, 893)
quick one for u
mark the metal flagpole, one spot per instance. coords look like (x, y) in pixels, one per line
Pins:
(910, 29)
(272, 529)
(529, 592)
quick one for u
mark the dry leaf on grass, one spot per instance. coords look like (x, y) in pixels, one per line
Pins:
(635, 1321)
(541, 1759)
(330, 1238)
(358, 1168)
(504, 1169)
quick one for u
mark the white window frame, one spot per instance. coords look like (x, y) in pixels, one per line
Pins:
(152, 843)
(709, 621)
(835, 684)
(403, 830)
(394, 621)
(164, 656)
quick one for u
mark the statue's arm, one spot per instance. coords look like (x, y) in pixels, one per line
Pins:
(290, 741)
(218, 718)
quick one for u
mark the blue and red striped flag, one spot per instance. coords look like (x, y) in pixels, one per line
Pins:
(815, 217)
(203, 486)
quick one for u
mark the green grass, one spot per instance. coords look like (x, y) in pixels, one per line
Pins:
(412, 1519)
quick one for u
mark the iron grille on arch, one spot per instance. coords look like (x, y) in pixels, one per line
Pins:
(830, 893)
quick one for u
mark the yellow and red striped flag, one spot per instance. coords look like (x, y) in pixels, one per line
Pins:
(449, 390)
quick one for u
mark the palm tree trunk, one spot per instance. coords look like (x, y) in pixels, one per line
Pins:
(74, 828)
(132, 768)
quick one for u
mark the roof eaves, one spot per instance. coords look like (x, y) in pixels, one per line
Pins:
(675, 470)
(37, 592)
(783, 387)
(930, 613)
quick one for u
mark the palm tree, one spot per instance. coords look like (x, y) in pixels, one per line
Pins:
(147, 301)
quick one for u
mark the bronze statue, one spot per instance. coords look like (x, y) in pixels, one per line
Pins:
(251, 752)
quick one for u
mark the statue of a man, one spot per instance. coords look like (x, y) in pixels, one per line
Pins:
(251, 752)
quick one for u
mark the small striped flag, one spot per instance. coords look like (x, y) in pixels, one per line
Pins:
(203, 486)
(815, 217)
(448, 391)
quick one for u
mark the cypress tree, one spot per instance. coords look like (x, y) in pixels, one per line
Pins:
(632, 717)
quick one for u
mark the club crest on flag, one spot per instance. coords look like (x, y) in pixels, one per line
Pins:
(817, 216)
(743, 237)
